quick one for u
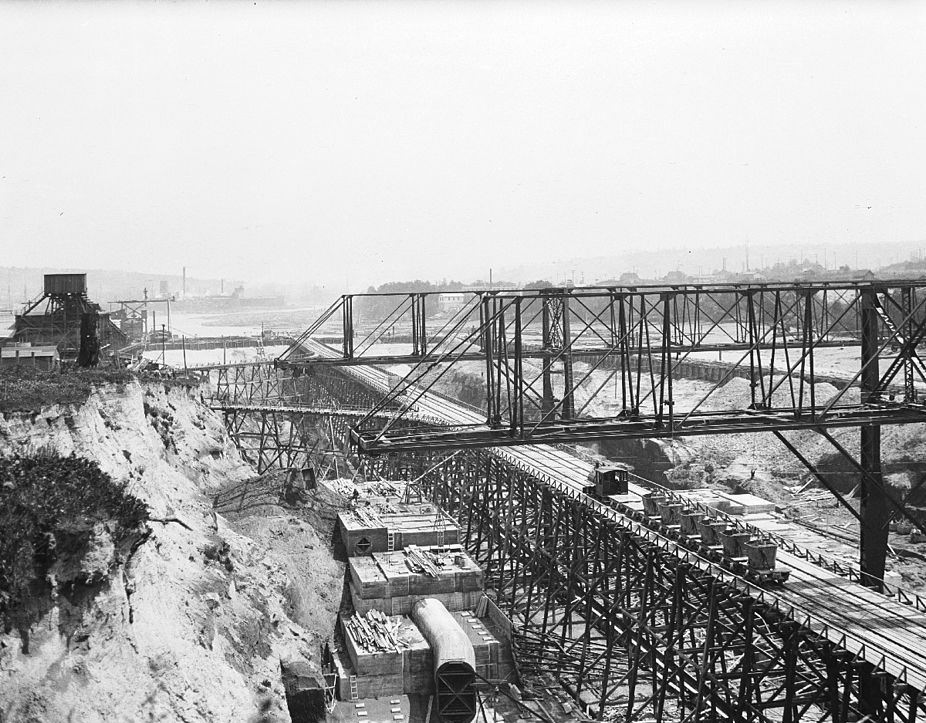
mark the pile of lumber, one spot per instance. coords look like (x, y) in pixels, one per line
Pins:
(419, 560)
(367, 516)
(384, 488)
(374, 632)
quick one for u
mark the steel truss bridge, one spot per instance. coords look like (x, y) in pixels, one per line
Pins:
(625, 615)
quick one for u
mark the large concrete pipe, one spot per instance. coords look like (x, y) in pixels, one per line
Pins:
(454, 661)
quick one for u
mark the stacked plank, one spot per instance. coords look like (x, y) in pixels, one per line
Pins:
(367, 517)
(374, 632)
(419, 560)
(384, 488)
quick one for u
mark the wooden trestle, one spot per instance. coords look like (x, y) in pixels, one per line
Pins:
(626, 618)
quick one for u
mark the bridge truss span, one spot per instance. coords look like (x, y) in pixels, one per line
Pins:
(546, 358)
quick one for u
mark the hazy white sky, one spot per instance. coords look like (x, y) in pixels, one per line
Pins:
(429, 139)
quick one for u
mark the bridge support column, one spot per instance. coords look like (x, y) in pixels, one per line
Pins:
(557, 347)
(873, 508)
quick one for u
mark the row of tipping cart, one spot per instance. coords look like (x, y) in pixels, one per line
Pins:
(707, 531)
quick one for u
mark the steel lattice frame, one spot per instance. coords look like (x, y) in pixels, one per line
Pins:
(642, 339)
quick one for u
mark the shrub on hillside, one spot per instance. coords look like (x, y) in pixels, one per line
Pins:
(49, 506)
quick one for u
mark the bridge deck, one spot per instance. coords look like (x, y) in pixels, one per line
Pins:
(885, 633)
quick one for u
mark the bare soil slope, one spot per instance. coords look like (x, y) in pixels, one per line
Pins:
(195, 624)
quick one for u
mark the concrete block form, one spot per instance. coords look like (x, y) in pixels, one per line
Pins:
(391, 575)
(493, 653)
(362, 531)
(747, 504)
(454, 601)
(367, 579)
(403, 643)
(728, 506)
(368, 527)
(372, 685)
(485, 644)
(423, 525)
(376, 664)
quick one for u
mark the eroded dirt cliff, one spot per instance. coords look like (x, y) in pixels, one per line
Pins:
(193, 623)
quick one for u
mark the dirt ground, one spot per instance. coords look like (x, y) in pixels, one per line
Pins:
(301, 538)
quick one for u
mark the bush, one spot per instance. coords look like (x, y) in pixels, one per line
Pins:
(49, 506)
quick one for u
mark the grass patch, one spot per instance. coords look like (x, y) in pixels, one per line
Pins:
(27, 389)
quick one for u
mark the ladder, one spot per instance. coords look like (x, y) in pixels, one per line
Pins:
(439, 524)
(390, 541)
(331, 700)
(352, 680)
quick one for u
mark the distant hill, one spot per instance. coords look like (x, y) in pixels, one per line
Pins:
(650, 264)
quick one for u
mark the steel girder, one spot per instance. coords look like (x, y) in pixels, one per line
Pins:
(357, 323)
(641, 341)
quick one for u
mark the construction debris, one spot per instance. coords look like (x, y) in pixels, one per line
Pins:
(425, 561)
(374, 632)
(367, 516)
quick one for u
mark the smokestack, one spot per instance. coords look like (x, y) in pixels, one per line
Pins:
(184, 282)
